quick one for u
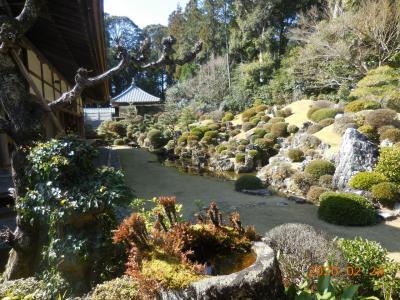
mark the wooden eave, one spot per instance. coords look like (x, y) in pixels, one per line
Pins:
(70, 34)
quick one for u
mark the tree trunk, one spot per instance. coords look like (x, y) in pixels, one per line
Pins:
(25, 116)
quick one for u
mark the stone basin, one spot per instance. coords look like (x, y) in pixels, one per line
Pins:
(261, 280)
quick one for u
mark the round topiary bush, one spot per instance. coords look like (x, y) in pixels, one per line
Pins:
(247, 126)
(259, 132)
(391, 134)
(369, 132)
(240, 158)
(277, 120)
(365, 180)
(319, 167)
(244, 142)
(314, 193)
(248, 182)
(119, 142)
(387, 193)
(253, 153)
(241, 148)
(264, 143)
(296, 155)
(326, 122)
(389, 162)
(323, 113)
(255, 120)
(381, 117)
(314, 128)
(156, 138)
(279, 129)
(326, 181)
(346, 209)
(292, 129)
(261, 108)
(251, 112)
(228, 117)
(359, 105)
(211, 134)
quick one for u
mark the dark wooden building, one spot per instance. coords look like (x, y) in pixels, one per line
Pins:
(68, 34)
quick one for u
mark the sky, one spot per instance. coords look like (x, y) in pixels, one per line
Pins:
(143, 12)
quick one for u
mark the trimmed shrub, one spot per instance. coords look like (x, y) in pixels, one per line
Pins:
(391, 134)
(255, 120)
(346, 209)
(214, 126)
(264, 143)
(228, 117)
(241, 148)
(211, 134)
(303, 181)
(381, 117)
(326, 181)
(314, 193)
(319, 167)
(327, 122)
(394, 103)
(365, 180)
(234, 132)
(389, 162)
(292, 129)
(156, 138)
(296, 155)
(277, 120)
(259, 132)
(387, 193)
(244, 142)
(248, 182)
(240, 158)
(117, 289)
(261, 108)
(253, 153)
(359, 105)
(310, 142)
(247, 126)
(251, 112)
(221, 148)
(279, 129)
(364, 255)
(311, 111)
(314, 128)
(265, 118)
(119, 142)
(369, 132)
(300, 247)
(323, 113)
(343, 123)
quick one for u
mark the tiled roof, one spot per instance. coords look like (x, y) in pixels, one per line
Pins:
(135, 95)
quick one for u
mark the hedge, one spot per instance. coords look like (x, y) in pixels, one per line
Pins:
(346, 209)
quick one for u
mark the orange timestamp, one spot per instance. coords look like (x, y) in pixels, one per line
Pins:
(320, 270)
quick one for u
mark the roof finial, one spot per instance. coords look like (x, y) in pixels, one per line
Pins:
(133, 81)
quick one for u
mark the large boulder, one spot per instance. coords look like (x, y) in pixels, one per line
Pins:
(222, 164)
(357, 154)
(246, 167)
(262, 280)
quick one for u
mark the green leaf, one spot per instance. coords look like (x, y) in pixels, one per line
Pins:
(304, 296)
(324, 284)
(350, 292)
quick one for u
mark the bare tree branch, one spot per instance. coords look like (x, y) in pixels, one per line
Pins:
(13, 29)
(168, 51)
(82, 81)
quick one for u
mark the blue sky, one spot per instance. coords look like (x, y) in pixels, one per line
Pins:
(143, 12)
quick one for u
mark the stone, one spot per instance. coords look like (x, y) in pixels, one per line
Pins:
(297, 199)
(246, 167)
(222, 164)
(261, 192)
(262, 280)
(356, 154)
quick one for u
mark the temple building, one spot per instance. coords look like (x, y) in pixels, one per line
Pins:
(66, 36)
(135, 96)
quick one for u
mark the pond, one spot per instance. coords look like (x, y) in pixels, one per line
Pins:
(149, 178)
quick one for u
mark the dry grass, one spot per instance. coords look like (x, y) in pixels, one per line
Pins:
(330, 137)
(299, 110)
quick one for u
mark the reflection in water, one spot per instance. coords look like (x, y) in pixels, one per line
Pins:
(225, 265)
